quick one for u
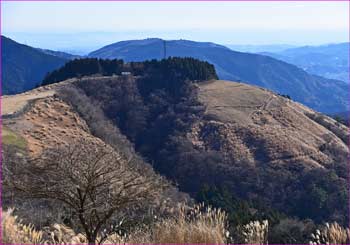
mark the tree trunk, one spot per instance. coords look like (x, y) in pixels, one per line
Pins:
(91, 240)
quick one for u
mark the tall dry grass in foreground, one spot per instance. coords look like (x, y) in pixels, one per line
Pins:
(190, 225)
(14, 232)
(197, 225)
(255, 232)
(331, 234)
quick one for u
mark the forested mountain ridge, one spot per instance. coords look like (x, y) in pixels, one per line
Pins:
(173, 69)
(321, 94)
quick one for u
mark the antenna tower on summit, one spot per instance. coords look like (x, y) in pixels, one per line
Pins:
(164, 43)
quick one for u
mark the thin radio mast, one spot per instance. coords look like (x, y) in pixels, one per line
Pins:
(164, 43)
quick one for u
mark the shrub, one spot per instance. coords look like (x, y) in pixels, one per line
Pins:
(291, 231)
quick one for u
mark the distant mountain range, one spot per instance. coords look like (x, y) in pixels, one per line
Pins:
(60, 54)
(273, 48)
(321, 94)
(24, 67)
(331, 61)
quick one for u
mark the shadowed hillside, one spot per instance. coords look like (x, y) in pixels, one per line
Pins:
(24, 67)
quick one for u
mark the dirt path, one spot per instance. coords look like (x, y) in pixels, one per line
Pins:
(15, 103)
(268, 102)
(264, 106)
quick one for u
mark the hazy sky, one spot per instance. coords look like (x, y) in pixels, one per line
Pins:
(64, 25)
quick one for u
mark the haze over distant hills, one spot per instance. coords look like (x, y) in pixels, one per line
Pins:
(331, 61)
(319, 93)
(273, 48)
(60, 54)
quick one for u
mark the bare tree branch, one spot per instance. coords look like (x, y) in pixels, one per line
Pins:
(91, 178)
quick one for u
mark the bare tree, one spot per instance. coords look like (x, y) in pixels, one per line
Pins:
(92, 179)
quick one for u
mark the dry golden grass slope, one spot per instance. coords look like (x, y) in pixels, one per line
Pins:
(258, 125)
(41, 118)
(48, 121)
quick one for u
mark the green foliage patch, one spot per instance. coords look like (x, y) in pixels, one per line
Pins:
(11, 138)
